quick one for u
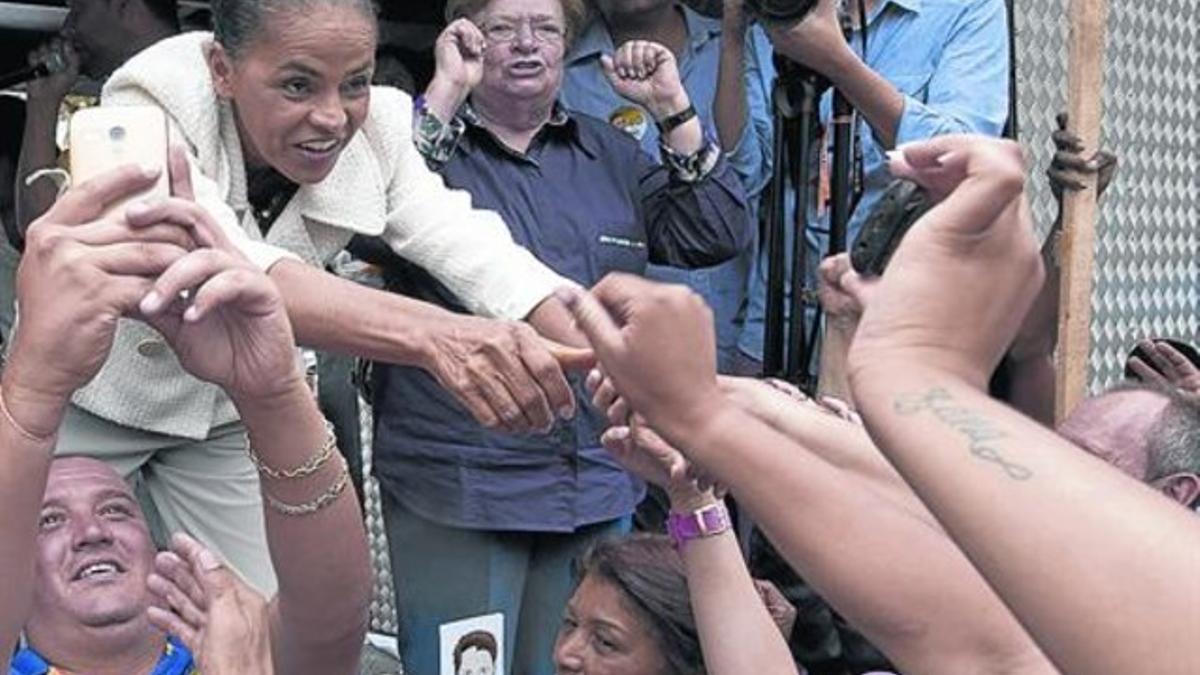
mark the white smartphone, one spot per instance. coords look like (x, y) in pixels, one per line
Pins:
(104, 138)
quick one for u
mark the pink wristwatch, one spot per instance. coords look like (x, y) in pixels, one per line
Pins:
(708, 521)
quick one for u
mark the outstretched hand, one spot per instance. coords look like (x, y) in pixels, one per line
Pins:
(973, 255)
(656, 343)
(221, 620)
(1158, 362)
(223, 316)
(646, 455)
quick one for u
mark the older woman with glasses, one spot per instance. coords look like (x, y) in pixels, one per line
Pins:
(481, 521)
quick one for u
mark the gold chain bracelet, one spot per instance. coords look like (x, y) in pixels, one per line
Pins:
(315, 504)
(308, 468)
(25, 433)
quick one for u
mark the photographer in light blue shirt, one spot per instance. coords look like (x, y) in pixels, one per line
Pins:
(931, 67)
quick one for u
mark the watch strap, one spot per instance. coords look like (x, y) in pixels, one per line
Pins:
(704, 522)
(672, 122)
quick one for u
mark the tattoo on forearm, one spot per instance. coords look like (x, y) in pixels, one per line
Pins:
(981, 434)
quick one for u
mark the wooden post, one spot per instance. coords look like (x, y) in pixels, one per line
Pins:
(1085, 84)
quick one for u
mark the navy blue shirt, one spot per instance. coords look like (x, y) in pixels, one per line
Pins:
(586, 200)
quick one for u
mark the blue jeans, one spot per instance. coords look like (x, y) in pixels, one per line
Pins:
(446, 573)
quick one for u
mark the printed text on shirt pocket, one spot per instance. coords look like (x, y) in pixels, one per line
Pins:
(623, 242)
(616, 253)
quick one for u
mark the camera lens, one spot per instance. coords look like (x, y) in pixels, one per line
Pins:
(116, 134)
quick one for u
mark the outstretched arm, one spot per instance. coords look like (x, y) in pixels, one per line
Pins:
(500, 371)
(1031, 357)
(1013, 495)
(26, 460)
(889, 572)
(737, 634)
(841, 443)
(967, 92)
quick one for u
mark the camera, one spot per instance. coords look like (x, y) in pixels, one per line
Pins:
(770, 11)
(902, 204)
(780, 11)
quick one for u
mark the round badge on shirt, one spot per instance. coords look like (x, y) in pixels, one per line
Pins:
(631, 120)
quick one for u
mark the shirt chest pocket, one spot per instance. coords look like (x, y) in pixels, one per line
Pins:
(619, 249)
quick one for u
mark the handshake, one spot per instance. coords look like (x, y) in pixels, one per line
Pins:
(88, 266)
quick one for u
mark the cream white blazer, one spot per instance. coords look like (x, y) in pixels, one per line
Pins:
(380, 186)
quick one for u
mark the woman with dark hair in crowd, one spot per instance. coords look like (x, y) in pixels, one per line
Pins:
(502, 514)
(678, 605)
(293, 152)
(631, 606)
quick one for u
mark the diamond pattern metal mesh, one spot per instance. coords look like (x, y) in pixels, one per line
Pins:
(383, 595)
(1041, 35)
(1146, 281)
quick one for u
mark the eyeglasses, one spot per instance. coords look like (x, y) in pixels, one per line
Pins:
(502, 31)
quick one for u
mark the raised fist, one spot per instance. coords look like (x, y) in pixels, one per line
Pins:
(646, 74)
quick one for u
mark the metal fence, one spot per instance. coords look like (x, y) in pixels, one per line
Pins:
(1147, 276)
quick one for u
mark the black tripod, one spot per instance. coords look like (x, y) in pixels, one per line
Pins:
(795, 106)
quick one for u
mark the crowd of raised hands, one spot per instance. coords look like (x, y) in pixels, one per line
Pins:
(956, 533)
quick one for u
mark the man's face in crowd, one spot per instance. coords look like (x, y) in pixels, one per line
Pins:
(476, 661)
(1115, 427)
(94, 551)
(95, 30)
